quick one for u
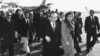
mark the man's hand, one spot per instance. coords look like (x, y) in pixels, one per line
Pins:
(67, 43)
(34, 34)
(47, 38)
(61, 46)
(16, 34)
(98, 31)
(1, 38)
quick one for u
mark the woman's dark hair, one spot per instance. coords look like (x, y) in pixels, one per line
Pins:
(66, 20)
(66, 15)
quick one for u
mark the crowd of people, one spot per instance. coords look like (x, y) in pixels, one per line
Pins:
(61, 32)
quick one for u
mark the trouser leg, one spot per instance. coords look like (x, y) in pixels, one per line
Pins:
(26, 46)
(3, 47)
(88, 41)
(76, 44)
(11, 49)
(94, 40)
(79, 38)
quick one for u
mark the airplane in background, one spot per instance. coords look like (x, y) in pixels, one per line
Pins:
(95, 11)
(35, 7)
(15, 5)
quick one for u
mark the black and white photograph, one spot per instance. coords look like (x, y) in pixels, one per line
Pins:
(49, 28)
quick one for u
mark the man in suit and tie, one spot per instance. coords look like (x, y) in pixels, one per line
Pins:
(32, 31)
(52, 37)
(24, 32)
(76, 34)
(79, 26)
(8, 33)
(91, 28)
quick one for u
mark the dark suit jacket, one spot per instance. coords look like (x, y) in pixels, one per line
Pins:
(55, 36)
(88, 24)
(24, 28)
(7, 30)
(78, 22)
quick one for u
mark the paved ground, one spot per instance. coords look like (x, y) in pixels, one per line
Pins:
(36, 48)
(96, 48)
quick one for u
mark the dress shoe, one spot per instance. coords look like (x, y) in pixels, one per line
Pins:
(88, 50)
(28, 54)
(79, 53)
(22, 52)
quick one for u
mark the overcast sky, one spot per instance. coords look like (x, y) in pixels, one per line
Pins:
(65, 5)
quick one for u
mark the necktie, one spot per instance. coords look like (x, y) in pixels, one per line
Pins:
(27, 22)
(53, 26)
(92, 21)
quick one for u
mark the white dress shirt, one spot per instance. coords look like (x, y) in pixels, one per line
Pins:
(27, 20)
(53, 24)
(92, 17)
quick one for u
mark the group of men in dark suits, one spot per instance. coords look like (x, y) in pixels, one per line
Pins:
(16, 28)
(91, 28)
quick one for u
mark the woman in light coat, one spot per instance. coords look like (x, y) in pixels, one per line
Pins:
(67, 28)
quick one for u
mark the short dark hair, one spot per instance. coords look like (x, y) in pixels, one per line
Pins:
(79, 14)
(61, 13)
(92, 11)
